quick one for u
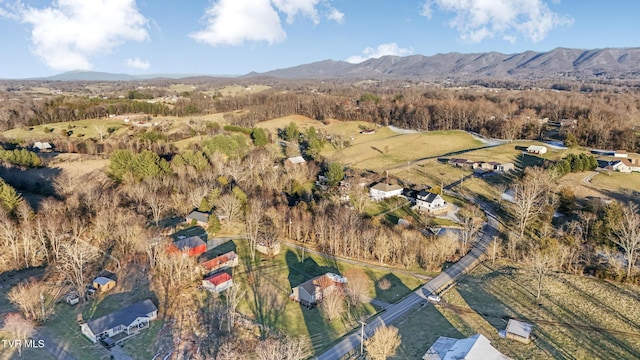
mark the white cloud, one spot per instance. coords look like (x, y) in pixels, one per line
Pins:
(305, 8)
(381, 50)
(68, 33)
(335, 15)
(234, 22)
(137, 63)
(477, 20)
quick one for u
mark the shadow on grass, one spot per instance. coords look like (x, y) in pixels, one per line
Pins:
(422, 329)
(389, 288)
(301, 270)
(552, 320)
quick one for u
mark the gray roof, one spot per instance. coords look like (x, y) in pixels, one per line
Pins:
(188, 243)
(122, 317)
(386, 187)
(519, 328)
(428, 196)
(101, 280)
(198, 216)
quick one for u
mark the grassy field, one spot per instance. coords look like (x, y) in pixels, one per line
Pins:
(386, 149)
(617, 182)
(286, 270)
(580, 317)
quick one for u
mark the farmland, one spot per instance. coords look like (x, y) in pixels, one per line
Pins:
(573, 321)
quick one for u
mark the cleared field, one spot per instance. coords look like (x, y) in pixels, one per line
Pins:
(303, 122)
(82, 128)
(235, 90)
(617, 182)
(386, 149)
(577, 319)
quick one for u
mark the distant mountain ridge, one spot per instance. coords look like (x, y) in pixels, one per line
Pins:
(82, 75)
(616, 63)
(608, 63)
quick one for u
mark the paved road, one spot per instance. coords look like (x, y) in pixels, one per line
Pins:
(393, 312)
(58, 351)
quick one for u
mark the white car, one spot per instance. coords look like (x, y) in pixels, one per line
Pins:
(434, 299)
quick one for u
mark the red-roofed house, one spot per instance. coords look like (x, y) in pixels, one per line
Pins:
(229, 259)
(191, 246)
(218, 282)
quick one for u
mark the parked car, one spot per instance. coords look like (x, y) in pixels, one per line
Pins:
(107, 343)
(435, 299)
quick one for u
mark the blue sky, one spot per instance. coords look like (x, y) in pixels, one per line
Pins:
(232, 37)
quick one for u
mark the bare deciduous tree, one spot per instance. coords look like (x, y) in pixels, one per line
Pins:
(471, 217)
(18, 328)
(384, 343)
(332, 304)
(531, 196)
(540, 263)
(285, 348)
(36, 300)
(627, 234)
(357, 287)
(233, 297)
(229, 207)
(252, 223)
(74, 258)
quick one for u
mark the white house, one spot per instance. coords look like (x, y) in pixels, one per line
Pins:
(537, 149)
(383, 190)
(432, 203)
(130, 320)
(620, 166)
(42, 146)
(620, 154)
(475, 347)
(504, 167)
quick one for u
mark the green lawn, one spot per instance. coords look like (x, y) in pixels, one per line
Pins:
(580, 317)
(286, 270)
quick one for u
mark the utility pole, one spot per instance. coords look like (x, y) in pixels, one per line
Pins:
(42, 305)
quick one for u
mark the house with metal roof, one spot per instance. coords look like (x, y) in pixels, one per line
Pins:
(129, 320)
(475, 347)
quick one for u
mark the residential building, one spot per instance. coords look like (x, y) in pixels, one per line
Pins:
(198, 218)
(475, 347)
(432, 203)
(311, 292)
(382, 191)
(129, 320)
(537, 149)
(504, 167)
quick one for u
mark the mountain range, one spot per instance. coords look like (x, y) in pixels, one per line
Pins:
(608, 63)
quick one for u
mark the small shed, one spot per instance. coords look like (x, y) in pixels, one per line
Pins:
(519, 331)
(295, 160)
(103, 284)
(218, 282)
